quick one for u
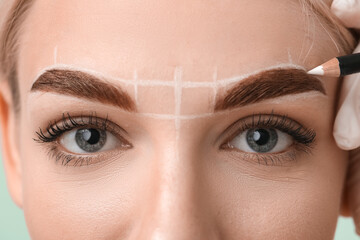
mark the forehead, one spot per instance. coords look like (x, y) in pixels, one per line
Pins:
(156, 37)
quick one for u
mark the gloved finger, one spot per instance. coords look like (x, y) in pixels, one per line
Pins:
(353, 186)
(347, 11)
(347, 123)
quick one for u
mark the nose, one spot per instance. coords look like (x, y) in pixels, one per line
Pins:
(176, 206)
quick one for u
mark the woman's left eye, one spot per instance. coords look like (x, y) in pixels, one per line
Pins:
(88, 140)
(261, 140)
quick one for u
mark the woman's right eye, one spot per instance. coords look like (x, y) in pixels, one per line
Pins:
(261, 140)
(76, 141)
(88, 140)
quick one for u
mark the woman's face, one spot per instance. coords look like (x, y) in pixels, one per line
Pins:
(176, 120)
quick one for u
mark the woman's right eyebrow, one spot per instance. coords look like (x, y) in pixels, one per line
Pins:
(83, 85)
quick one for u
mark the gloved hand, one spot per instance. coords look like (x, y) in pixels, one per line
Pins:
(347, 122)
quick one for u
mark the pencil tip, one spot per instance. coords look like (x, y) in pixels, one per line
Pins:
(317, 71)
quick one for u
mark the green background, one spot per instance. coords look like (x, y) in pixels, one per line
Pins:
(12, 223)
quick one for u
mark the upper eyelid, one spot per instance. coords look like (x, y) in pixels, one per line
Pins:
(239, 126)
(236, 127)
(65, 122)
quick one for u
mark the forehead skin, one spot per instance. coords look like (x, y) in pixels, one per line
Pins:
(155, 38)
(234, 37)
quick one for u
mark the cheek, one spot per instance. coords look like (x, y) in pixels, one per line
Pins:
(298, 203)
(68, 209)
(73, 209)
(72, 204)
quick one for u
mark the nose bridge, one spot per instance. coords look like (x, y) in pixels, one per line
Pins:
(177, 209)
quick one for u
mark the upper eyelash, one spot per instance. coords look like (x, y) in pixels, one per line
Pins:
(304, 137)
(287, 125)
(281, 122)
(56, 129)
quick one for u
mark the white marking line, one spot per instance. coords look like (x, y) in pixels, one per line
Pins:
(226, 81)
(136, 88)
(178, 92)
(289, 56)
(155, 82)
(287, 98)
(55, 54)
(177, 84)
(174, 117)
(214, 87)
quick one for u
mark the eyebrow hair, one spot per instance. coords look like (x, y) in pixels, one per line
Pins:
(83, 85)
(268, 84)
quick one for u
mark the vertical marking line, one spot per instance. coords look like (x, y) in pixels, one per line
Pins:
(214, 87)
(289, 56)
(178, 93)
(55, 54)
(135, 78)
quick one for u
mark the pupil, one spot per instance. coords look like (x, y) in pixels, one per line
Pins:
(261, 136)
(92, 136)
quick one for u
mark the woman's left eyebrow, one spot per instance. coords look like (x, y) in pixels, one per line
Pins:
(266, 85)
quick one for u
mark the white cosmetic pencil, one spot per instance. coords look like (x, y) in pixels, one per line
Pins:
(338, 66)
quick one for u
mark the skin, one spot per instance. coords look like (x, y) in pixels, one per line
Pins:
(176, 182)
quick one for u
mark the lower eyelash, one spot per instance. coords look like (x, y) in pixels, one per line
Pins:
(272, 159)
(60, 156)
(66, 159)
(280, 159)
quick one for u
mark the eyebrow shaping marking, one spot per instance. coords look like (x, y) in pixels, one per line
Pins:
(83, 85)
(268, 84)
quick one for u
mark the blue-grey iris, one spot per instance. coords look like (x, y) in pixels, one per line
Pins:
(90, 139)
(261, 140)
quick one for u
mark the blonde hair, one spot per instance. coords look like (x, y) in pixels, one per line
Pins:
(342, 37)
(9, 37)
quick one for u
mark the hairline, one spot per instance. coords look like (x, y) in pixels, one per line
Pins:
(9, 41)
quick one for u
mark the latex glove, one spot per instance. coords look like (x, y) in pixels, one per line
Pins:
(347, 122)
(348, 12)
